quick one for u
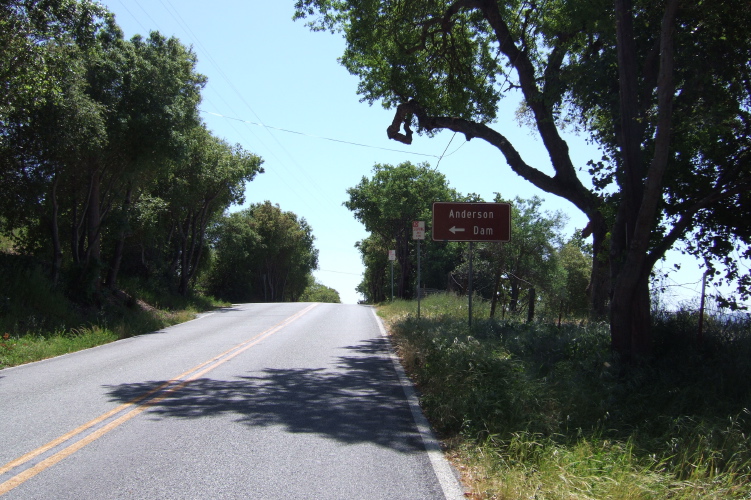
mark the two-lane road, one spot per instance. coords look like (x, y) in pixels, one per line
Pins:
(254, 401)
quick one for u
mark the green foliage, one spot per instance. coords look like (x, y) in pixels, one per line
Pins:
(19, 350)
(376, 282)
(395, 196)
(535, 261)
(576, 264)
(530, 261)
(234, 261)
(38, 321)
(105, 167)
(389, 54)
(197, 191)
(28, 301)
(262, 254)
(520, 399)
(318, 292)
(387, 204)
(32, 33)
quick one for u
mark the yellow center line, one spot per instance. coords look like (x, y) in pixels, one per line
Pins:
(140, 406)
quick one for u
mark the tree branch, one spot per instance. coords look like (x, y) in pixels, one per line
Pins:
(542, 110)
(665, 90)
(565, 183)
(444, 22)
(576, 194)
(687, 215)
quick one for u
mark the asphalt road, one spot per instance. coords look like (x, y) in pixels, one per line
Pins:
(254, 401)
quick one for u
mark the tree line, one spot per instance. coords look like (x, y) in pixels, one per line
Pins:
(538, 268)
(106, 169)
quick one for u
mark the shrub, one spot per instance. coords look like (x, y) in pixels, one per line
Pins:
(536, 397)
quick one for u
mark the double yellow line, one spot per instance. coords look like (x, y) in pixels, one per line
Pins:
(127, 410)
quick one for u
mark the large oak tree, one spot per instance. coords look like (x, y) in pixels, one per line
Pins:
(663, 87)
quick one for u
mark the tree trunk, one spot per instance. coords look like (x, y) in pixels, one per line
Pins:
(626, 313)
(496, 287)
(402, 255)
(630, 318)
(91, 274)
(57, 252)
(94, 248)
(599, 283)
(188, 255)
(271, 281)
(117, 258)
(74, 235)
(514, 300)
(182, 287)
(531, 310)
(199, 232)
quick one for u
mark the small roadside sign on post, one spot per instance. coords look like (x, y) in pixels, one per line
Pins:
(418, 230)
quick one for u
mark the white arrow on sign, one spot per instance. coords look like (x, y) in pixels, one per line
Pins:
(455, 229)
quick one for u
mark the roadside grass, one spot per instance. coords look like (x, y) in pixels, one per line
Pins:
(540, 411)
(38, 322)
(34, 347)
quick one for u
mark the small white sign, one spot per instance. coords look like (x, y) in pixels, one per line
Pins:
(392, 254)
(418, 230)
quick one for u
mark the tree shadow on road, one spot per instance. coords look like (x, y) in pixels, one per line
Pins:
(357, 400)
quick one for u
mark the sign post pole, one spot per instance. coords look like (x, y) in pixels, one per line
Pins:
(471, 248)
(392, 258)
(468, 221)
(418, 233)
(392, 281)
(418, 279)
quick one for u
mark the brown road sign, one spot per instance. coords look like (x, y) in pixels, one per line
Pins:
(453, 221)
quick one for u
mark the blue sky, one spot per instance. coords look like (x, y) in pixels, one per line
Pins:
(277, 89)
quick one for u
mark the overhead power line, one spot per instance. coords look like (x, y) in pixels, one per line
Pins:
(322, 137)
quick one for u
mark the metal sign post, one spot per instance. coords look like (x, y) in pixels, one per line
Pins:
(469, 285)
(418, 279)
(461, 221)
(418, 233)
(392, 258)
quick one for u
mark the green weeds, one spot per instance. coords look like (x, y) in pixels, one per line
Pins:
(19, 350)
(540, 411)
(37, 321)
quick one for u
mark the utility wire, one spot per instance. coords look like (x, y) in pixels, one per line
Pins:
(134, 16)
(342, 141)
(311, 182)
(175, 14)
(444, 151)
(290, 187)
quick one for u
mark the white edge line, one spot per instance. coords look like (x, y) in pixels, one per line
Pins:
(452, 488)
